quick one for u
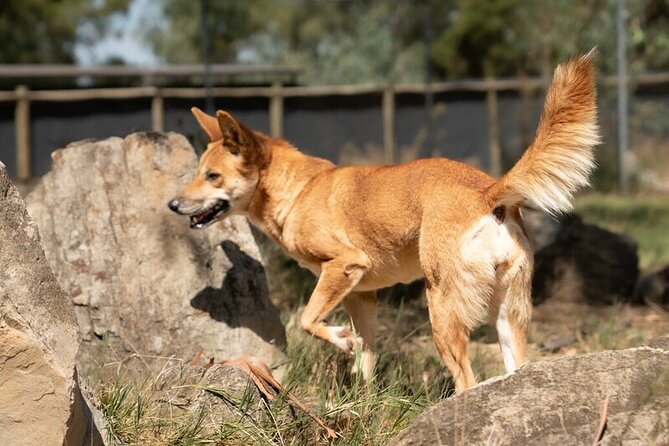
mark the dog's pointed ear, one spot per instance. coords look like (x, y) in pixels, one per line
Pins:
(240, 140)
(234, 136)
(208, 123)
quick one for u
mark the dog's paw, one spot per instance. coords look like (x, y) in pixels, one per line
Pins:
(344, 339)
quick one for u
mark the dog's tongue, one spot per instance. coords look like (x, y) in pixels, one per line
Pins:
(199, 218)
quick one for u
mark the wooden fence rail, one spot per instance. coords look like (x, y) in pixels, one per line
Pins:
(277, 93)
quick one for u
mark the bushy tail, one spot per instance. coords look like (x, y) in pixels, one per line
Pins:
(561, 158)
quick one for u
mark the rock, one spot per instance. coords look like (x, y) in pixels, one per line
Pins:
(654, 287)
(542, 228)
(661, 342)
(222, 394)
(40, 399)
(144, 283)
(558, 402)
(580, 262)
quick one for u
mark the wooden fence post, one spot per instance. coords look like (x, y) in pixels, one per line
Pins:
(495, 147)
(157, 111)
(22, 131)
(276, 110)
(389, 124)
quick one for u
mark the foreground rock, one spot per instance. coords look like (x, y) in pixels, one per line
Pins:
(558, 403)
(40, 399)
(221, 392)
(142, 281)
(579, 262)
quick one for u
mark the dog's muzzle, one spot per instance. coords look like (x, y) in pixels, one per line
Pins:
(202, 218)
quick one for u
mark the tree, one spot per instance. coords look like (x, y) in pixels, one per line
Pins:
(479, 41)
(347, 41)
(178, 38)
(333, 41)
(45, 31)
(649, 36)
(512, 37)
(531, 37)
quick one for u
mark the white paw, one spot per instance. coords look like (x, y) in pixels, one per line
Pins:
(343, 338)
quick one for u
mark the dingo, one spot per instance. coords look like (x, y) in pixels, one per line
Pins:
(363, 228)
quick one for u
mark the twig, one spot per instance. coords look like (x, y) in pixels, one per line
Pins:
(196, 359)
(262, 377)
(601, 428)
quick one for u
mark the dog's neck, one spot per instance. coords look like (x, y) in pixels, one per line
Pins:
(280, 183)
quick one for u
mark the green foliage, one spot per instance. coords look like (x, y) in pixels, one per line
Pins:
(45, 31)
(333, 41)
(384, 41)
(510, 37)
(179, 38)
(352, 41)
(480, 41)
(648, 34)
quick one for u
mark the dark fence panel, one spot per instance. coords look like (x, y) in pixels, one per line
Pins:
(345, 124)
(54, 125)
(459, 125)
(251, 111)
(323, 126)
(7, 136)
(335, 127)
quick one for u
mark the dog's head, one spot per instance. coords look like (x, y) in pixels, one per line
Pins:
(228, 172)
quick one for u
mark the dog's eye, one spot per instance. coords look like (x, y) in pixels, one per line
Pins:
(212, 176)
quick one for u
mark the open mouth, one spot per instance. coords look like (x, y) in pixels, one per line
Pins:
(203, 219)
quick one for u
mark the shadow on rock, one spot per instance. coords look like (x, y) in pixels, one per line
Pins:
(242, 298)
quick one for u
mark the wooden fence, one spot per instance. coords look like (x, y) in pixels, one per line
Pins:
(277, 92)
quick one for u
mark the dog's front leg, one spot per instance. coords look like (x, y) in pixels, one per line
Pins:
(338, 278)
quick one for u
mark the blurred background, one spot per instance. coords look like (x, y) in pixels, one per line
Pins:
(353, 81)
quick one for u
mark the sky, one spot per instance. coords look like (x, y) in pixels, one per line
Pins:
(125, 39)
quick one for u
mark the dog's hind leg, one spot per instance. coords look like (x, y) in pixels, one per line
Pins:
(511, 308)
(337, 279)
(362, 308)
(460, 275)
(457, 299)
(451, 336)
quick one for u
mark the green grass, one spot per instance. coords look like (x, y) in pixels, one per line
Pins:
(609, 331)
(318, 374)
(646, 219)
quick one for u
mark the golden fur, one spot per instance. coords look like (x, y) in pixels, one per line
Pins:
(363, 228)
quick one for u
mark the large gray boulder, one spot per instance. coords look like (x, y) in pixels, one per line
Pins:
(40, 399)
(142, 282)
(579, 262)
(653, 287)
(559, 402)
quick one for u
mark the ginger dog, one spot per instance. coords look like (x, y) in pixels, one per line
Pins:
(364, 228)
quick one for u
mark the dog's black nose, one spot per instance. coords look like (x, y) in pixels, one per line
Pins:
(174, 205)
